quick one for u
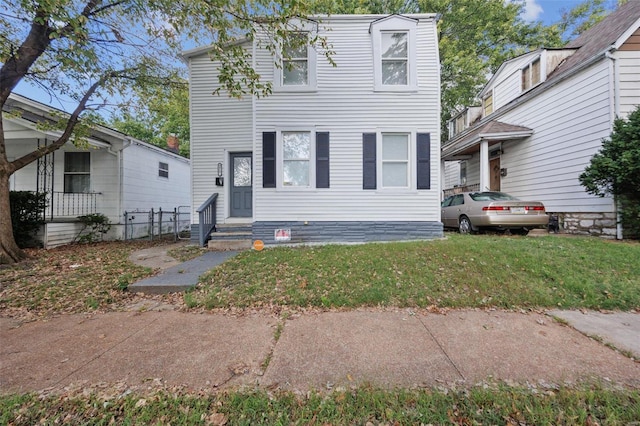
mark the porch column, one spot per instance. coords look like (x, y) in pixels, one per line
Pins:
(442, 179)
(484, 166)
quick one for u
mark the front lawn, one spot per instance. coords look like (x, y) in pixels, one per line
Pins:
(461, 271)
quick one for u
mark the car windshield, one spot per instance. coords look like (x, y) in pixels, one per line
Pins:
(491, 196)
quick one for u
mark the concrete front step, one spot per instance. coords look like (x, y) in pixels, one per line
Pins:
(228, 244)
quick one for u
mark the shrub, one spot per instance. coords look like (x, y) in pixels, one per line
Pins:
(27, 215)
(94, 226)
(614, 170)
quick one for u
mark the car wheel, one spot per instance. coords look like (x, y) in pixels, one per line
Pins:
(464, 225)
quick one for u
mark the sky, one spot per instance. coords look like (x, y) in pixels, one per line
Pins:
(547, 11)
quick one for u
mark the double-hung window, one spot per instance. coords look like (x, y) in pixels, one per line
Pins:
(394, 57)
(77, 172)
(295, 63)
(163, 169)
(296, 159)
(394, 52)
(395, 160)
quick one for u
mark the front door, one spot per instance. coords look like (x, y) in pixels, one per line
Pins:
(241, 194)
(494, 166)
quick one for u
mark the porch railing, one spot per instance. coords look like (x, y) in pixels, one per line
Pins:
(64, 204)
(207, 218)
(462, 188)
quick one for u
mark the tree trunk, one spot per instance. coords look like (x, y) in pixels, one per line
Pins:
(9, 250)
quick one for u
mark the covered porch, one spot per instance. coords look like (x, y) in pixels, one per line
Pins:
(484, 142)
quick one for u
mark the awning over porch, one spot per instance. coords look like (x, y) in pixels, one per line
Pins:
(471, 140)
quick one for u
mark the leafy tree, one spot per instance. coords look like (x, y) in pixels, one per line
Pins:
(585, 15)
(475, 38)
(93, 50)
(159, 112)
(614, 170)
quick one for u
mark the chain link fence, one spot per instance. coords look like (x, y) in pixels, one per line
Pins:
(158, 223)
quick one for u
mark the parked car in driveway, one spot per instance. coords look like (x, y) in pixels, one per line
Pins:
(472, 211)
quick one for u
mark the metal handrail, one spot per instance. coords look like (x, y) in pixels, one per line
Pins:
(207, 218)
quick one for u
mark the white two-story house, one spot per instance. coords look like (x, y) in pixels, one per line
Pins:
(543, 115)
(343, 153)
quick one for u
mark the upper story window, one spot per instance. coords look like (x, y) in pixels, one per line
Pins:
(487, 104)
(460, 123)
(394, 51)
(531, 75)
(163, 169)
(394, 57)
(295, 64)
(295, 68)
(77, 172)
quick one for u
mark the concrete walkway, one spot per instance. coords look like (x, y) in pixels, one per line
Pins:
(321, 351)
(174, 276)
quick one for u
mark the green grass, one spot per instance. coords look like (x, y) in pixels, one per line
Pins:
(461, 271)
(495, 405)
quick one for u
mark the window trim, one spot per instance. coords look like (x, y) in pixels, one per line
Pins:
(65, 173)
(395, 24)
(162, 170)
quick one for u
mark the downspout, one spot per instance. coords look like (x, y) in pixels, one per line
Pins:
(118, 153)
(614, 108)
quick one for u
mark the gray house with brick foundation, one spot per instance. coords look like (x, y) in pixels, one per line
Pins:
(335, 154)
(543, 116)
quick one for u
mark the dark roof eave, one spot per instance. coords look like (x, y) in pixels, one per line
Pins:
(463, 145)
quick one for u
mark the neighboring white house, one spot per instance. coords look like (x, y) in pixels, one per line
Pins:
(344, 153)
(114, 174)
(543, 116)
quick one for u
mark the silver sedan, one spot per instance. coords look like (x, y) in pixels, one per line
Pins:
(471, 211)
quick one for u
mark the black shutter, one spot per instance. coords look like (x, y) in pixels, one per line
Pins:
(424, 160)
(269, 159)
(369, 161)
(322, 160)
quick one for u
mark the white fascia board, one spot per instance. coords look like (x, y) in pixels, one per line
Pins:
(625, 36)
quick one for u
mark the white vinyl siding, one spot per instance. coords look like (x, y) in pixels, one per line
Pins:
(628, 66)
(219, 125)
(144, 187)
(347, 106)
